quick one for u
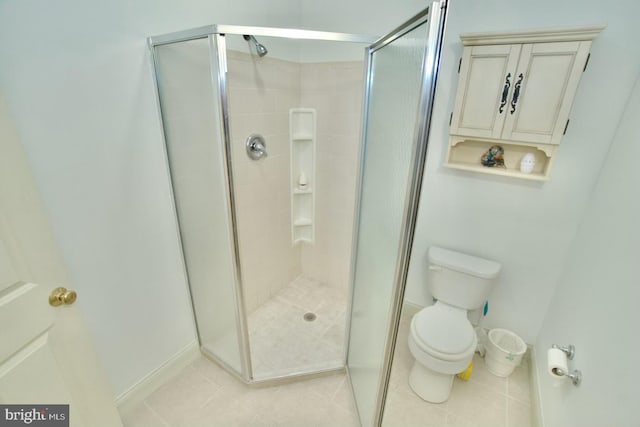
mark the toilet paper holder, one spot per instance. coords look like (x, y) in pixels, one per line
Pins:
(569, 350)
(575, 376)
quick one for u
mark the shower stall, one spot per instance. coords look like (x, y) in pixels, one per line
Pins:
(296, 164)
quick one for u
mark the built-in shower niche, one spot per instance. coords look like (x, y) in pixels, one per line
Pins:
(302, 131)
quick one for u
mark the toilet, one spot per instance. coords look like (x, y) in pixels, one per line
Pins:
(442, 339)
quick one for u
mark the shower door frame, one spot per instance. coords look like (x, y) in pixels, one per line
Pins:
(435, 15)
(217, 43)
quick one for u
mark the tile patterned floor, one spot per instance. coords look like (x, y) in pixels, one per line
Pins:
(204, 395)
(484, 401)
(283, 342)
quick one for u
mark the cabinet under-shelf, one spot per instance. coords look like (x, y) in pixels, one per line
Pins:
(465, 154)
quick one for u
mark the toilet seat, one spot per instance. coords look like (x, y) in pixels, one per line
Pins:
(444, 332)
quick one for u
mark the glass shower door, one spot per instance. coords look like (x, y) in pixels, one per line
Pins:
(188, 89)
(402, 70)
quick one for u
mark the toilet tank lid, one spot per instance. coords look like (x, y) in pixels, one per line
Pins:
(463, 263)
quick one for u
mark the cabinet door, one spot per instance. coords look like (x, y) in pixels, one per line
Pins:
(485, 82)
(544, 85)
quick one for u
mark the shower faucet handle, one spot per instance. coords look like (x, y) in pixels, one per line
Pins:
(256, 147)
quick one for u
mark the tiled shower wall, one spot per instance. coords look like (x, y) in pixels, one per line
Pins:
(261, 92)
(334, 89)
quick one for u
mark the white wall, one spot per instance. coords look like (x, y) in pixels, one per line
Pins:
(374, 18)
(76, 76)
(528, 227)
(595, 304)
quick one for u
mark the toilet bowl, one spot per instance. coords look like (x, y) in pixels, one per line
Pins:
(442, 339)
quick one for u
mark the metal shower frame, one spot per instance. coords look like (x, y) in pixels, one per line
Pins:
(436, 14)
(215, 34)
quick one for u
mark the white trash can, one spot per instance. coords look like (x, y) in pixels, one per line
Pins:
(504, 352)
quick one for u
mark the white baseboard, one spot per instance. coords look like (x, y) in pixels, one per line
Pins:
(138, 392)
(534, 389)
(411, 308)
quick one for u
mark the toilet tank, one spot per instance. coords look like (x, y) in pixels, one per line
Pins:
(459, 279)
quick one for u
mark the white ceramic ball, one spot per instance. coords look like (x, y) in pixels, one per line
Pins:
(527, 163)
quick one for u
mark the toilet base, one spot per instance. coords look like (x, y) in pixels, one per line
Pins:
(429, 385)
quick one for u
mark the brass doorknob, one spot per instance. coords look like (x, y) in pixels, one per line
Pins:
(61, 296)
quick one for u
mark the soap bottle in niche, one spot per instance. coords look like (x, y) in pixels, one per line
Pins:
(303, 182)
(527, 163)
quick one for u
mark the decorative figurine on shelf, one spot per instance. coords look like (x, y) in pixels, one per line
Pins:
(527, 163)
(493, 157)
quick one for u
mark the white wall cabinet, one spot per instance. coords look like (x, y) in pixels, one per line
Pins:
(516, 90)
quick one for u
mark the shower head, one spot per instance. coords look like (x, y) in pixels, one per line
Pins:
(260, 49)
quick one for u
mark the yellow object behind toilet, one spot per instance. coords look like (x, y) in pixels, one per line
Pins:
(466, 374)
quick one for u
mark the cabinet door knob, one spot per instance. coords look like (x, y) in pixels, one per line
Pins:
(516, 93)
(61, 296)
(505, 93)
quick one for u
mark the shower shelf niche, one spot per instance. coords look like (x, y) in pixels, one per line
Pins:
(302, 136)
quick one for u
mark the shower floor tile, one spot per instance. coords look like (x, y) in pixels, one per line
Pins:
(281, 340)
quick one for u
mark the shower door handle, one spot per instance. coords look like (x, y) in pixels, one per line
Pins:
(256, 147)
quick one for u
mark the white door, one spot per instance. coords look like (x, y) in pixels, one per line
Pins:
(46, 356)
